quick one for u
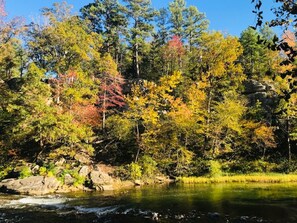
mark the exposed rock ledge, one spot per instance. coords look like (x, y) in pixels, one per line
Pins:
(98, 177)
(34, 185)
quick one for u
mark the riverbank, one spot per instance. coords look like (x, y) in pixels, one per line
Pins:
(97, 177)
(250, 178)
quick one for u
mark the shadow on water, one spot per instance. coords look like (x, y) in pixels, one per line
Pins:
(169, 204)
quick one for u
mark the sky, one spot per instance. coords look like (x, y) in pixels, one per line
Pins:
(229, 16)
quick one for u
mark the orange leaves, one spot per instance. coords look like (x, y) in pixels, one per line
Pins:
(181, 115)
(264, 135)
(86, 114)
(260, 134)
(67, 78)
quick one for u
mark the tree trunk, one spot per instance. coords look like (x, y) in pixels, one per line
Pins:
(137, 142)
(289, 143)
(137, 60)
(206, 138)
(104, 107)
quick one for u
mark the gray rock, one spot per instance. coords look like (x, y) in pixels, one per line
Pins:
(253, 86)
(84, 171)
(68, 179)
(60, 162)
(107, 187)
(100, 178)
(35, 169)
(82, 158)
(34, 185)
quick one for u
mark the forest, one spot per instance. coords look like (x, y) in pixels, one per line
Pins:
(149, 91)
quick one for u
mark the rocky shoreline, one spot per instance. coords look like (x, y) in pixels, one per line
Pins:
(98, 177)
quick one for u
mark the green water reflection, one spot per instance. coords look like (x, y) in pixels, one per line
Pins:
(172, 203)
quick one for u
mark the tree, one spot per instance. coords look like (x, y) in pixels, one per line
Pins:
(36, 119)
(173, 55)
(64, 44)
(110, 94)
(2, 8)
(141, 14)
(257, 59)
(107, 18)
(195, 25)
(253, 57)
(177, 9)
(162, 27)
(219, 72)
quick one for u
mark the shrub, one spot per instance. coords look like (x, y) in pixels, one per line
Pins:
(122, 172)
(4, 171)
(42, 171)
(135, 171)
(149, 166)
(79, 180)
(199, 167)
(215, 168)
(25, 172)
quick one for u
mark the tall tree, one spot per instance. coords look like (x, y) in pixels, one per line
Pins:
(107, 18)
(177, 9)
(2, 8)
(110, 93)
(220, 72)
(195, 25)
(141, 14)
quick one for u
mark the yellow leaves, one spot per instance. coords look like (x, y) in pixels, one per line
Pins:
(169, 82)
(181, 115)
(229, 112)
(109, 66)
(196, 97)
(219, 54)
(264, 135)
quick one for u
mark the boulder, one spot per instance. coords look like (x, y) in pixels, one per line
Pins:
(138, 183)
(254, 86)
(34, 185)
(84, 171)
(100, 178)
(82, 158)
(68, 179)
(35, 169)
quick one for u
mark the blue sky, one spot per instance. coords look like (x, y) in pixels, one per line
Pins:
(228, 16)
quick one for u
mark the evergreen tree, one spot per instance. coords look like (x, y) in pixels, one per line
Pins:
(107, 17)
(141, 14)
(177, 9)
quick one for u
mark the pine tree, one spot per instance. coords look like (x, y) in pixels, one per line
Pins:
(141, 14)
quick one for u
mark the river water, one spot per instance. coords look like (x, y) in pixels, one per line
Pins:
(168, 204)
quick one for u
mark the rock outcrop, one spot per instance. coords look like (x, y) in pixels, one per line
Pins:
(97, 177)
(262, 92)
(34, 185)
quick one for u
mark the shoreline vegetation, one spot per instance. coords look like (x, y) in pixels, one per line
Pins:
(244, 178)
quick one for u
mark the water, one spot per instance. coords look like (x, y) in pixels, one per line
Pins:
(168, 204)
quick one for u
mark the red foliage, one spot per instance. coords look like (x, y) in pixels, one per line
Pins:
(68, 78)
(173, 53)
(111, 95)
(176, 45)
(86, 114)
(174, 49)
